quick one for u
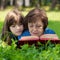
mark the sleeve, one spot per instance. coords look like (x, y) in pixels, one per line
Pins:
(25, 33)
(49, 31)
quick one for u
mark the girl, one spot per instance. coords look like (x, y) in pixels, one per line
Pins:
(36, 22)
(13, 26)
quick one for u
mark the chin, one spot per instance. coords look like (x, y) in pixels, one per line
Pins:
(18, 34)
(34, 35)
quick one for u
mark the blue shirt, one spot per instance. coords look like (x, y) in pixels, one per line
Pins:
(49, 31)
(27, 33)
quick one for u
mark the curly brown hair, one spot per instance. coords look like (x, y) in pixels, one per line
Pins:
(34, 15)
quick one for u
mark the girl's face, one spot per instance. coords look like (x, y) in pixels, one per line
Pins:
(16, 29)
(36, 28)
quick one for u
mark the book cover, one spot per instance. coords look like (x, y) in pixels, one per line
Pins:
(43, 39)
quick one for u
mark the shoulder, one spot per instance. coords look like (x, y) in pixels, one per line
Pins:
(25, 33)
(49, 31)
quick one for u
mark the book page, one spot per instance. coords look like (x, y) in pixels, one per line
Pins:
(49, 37)
(30, 38)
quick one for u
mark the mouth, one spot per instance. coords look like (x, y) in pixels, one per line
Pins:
(18, 31)
(35, 33)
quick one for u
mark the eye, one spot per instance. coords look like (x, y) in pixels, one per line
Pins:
(39, 26)
(20, 24)
(12, 25)
(31, 25)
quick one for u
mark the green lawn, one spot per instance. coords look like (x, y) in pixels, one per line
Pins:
(46, 51)
(53, 17)
(1, 24)
(54, 25)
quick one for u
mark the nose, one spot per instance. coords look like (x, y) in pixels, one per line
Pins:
(34, 28)
(17, 27)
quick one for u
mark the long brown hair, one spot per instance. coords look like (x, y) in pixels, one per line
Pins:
(14, 16)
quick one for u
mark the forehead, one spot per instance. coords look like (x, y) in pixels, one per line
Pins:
(14, 18)
(14, 21)
(38, 22)
(35, 18)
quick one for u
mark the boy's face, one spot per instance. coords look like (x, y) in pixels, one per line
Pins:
(16, 29)
(36, 28)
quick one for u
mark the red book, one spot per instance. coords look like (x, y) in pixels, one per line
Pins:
(43, 39)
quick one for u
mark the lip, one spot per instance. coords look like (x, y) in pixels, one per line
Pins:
(18, 31)
(35, 33)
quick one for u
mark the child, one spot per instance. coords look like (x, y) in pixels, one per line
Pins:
(36, 22)
(13, 26)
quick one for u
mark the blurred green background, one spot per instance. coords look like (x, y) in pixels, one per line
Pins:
(52, 8)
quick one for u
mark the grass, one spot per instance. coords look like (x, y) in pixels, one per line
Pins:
(1, 25)
(3, 14)
(54, 25)
(46, 51)
(53, 17)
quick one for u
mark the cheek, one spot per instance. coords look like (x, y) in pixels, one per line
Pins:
(41, 31)
(22, 28)
(30, 29)
(11, 29)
